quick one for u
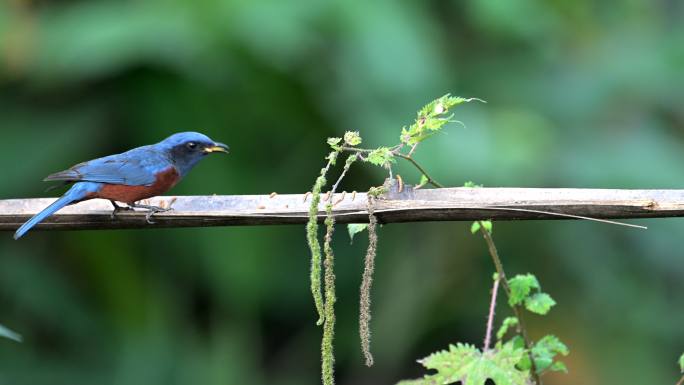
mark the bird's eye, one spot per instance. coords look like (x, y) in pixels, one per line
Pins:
(192, 145)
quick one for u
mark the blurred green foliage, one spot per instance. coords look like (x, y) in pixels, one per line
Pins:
(580, 94)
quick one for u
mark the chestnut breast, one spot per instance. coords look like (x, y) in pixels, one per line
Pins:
(164, 181)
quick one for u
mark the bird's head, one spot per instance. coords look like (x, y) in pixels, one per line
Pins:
(185, 149)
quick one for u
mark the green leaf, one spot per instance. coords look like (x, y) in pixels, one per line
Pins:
(558, 366)
(475, 227)
(524, 363)
(471, 184)
(352, 138)
(505, 325)
(423, 181)
(381, 157)
(518, 342)
(7, 333)
(430, 119)
(334, 142)
(468, 365)
(521, 293)
(521, 285)
(544, 352)
(539, 303)
(487, 226)
(355, 228)
(681, 363)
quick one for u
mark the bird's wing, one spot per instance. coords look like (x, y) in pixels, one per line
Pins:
(137, 167)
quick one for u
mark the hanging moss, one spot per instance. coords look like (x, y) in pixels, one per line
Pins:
(366, 284)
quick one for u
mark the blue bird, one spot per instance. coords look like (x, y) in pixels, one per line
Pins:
(129, 177)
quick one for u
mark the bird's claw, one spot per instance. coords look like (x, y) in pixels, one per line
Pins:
(117, 209)
(153, 211)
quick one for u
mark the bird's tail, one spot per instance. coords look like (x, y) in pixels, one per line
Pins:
(76, 193)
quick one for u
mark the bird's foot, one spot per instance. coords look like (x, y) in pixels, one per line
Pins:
(118, 208)
(151, 210)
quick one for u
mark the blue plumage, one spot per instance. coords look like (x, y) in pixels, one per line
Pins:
(76, 193)
(137, 174)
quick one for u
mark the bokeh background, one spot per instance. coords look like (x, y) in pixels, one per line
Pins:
(580, 94)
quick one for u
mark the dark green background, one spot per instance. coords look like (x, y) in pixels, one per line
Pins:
(580, 94)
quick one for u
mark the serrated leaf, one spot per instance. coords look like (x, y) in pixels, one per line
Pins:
(545, 350)
(7, 333)
(355, 228)
(507, 323)
(539, 303)
(430, 119)
(558, 366)
(542, 363)
(381, 157)
(468, 365)
(334, 141)
(521, 285)
(352, 138)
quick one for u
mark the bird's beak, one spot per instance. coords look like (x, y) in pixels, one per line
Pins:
(217, 147)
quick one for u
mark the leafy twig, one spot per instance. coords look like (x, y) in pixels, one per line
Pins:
(517, 309)
(395, 151)
(351, 159)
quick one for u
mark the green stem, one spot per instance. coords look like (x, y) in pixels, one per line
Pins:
(396, 152)
(517, 309)
(351, 159)
(421, 169)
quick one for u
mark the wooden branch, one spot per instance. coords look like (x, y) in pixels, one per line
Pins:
(446, 204)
